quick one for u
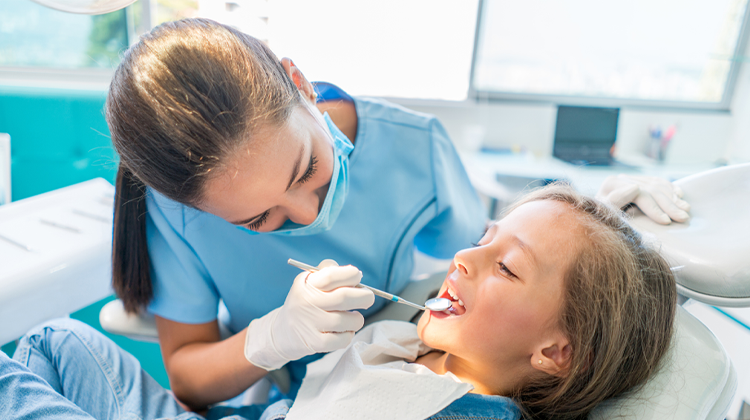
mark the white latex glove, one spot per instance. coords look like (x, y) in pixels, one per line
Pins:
(315, 317)
(658, 198)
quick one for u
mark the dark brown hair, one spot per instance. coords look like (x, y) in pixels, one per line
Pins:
(186, 96)
(617, 312)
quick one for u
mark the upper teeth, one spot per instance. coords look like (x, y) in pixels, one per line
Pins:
(455, 297)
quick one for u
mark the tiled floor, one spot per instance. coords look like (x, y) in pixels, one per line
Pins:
(732, 327)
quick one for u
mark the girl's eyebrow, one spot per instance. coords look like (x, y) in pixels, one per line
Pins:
(527, 250)
(489, 225)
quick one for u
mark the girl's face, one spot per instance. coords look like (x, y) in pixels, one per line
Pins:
(511, 287)
(282, 174)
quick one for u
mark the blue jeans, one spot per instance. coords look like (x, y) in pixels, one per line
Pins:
(64, 369)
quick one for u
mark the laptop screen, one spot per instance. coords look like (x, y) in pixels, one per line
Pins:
(585, 134)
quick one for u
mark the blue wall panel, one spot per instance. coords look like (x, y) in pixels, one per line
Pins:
(59, 138)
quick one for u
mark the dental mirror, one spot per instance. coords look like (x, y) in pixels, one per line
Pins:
(438, 304)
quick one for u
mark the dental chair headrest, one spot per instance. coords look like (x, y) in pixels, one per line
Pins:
(710, 253)
(695, 382)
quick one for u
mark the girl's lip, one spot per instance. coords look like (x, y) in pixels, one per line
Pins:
(439, 315)
(451, 281)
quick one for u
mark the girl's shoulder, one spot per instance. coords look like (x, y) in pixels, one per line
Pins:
(477, 406)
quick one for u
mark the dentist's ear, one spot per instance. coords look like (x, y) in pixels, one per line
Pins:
(305, 87)
(553, 357)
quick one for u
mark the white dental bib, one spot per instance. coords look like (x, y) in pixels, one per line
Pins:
(370, 379)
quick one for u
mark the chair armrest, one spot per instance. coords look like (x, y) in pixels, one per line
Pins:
(115, 320)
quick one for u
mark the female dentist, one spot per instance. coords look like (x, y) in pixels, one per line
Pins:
(230, 166)
(228, 169)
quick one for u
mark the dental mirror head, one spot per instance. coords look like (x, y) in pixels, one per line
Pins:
(438, 304)
(86, 7)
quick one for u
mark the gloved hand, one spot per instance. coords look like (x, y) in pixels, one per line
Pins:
(658, 198)
(315, 317)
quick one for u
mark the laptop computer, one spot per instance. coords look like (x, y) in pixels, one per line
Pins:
(586, 135)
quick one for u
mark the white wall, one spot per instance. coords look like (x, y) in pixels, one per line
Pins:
(739, 136)
(702, 137)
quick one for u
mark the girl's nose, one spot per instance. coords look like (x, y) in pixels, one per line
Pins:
(461, 267)
(461, 261)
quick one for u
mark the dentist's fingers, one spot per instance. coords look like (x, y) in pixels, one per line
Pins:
(667, 205)
(344, 299)
(678, 191)
(327, 263)
(337, 322)
(333, 341)
(333, 277)
(621, 196)
(650, 208)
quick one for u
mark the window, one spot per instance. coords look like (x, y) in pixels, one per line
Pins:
(648, 52)
(35, 36)
(413, 48)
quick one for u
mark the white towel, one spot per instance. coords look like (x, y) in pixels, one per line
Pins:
(372, 379)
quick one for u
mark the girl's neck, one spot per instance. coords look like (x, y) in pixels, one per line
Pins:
(484, 382)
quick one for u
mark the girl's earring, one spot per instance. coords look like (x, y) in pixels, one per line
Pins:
(540, 361)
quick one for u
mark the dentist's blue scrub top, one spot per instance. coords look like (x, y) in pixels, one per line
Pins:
(407, 188)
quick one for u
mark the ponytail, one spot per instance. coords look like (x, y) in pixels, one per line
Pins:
(131, 276)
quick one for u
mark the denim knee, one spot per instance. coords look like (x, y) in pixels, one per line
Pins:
(41, 338)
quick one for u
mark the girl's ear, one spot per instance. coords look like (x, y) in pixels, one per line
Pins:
(305, 87)
(553, 357)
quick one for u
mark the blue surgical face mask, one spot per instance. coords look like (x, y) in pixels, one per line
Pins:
(337, 190)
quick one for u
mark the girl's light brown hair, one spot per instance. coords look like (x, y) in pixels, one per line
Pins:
(617, 312)
(183, 99)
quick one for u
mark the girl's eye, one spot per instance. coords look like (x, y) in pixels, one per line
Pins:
(311, 169)
(258, 223)
(505, 270)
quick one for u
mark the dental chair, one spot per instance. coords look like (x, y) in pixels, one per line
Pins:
(711, 259)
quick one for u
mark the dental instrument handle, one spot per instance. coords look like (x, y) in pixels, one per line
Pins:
(385, 295)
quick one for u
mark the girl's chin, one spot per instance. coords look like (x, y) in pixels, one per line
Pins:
(435, 325)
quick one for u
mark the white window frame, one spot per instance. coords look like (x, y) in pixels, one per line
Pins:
(611, 102)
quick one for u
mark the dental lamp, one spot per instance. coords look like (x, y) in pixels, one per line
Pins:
(86, 7)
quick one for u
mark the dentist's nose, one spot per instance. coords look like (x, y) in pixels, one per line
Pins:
(304, 209)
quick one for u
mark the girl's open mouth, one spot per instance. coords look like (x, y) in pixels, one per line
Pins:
(457, 306)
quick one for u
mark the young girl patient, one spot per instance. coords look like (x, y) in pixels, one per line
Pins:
(559, 307)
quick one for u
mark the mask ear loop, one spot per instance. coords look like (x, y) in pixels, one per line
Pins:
(318, 116)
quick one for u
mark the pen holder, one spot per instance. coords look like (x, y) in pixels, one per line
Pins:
(659, 142)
